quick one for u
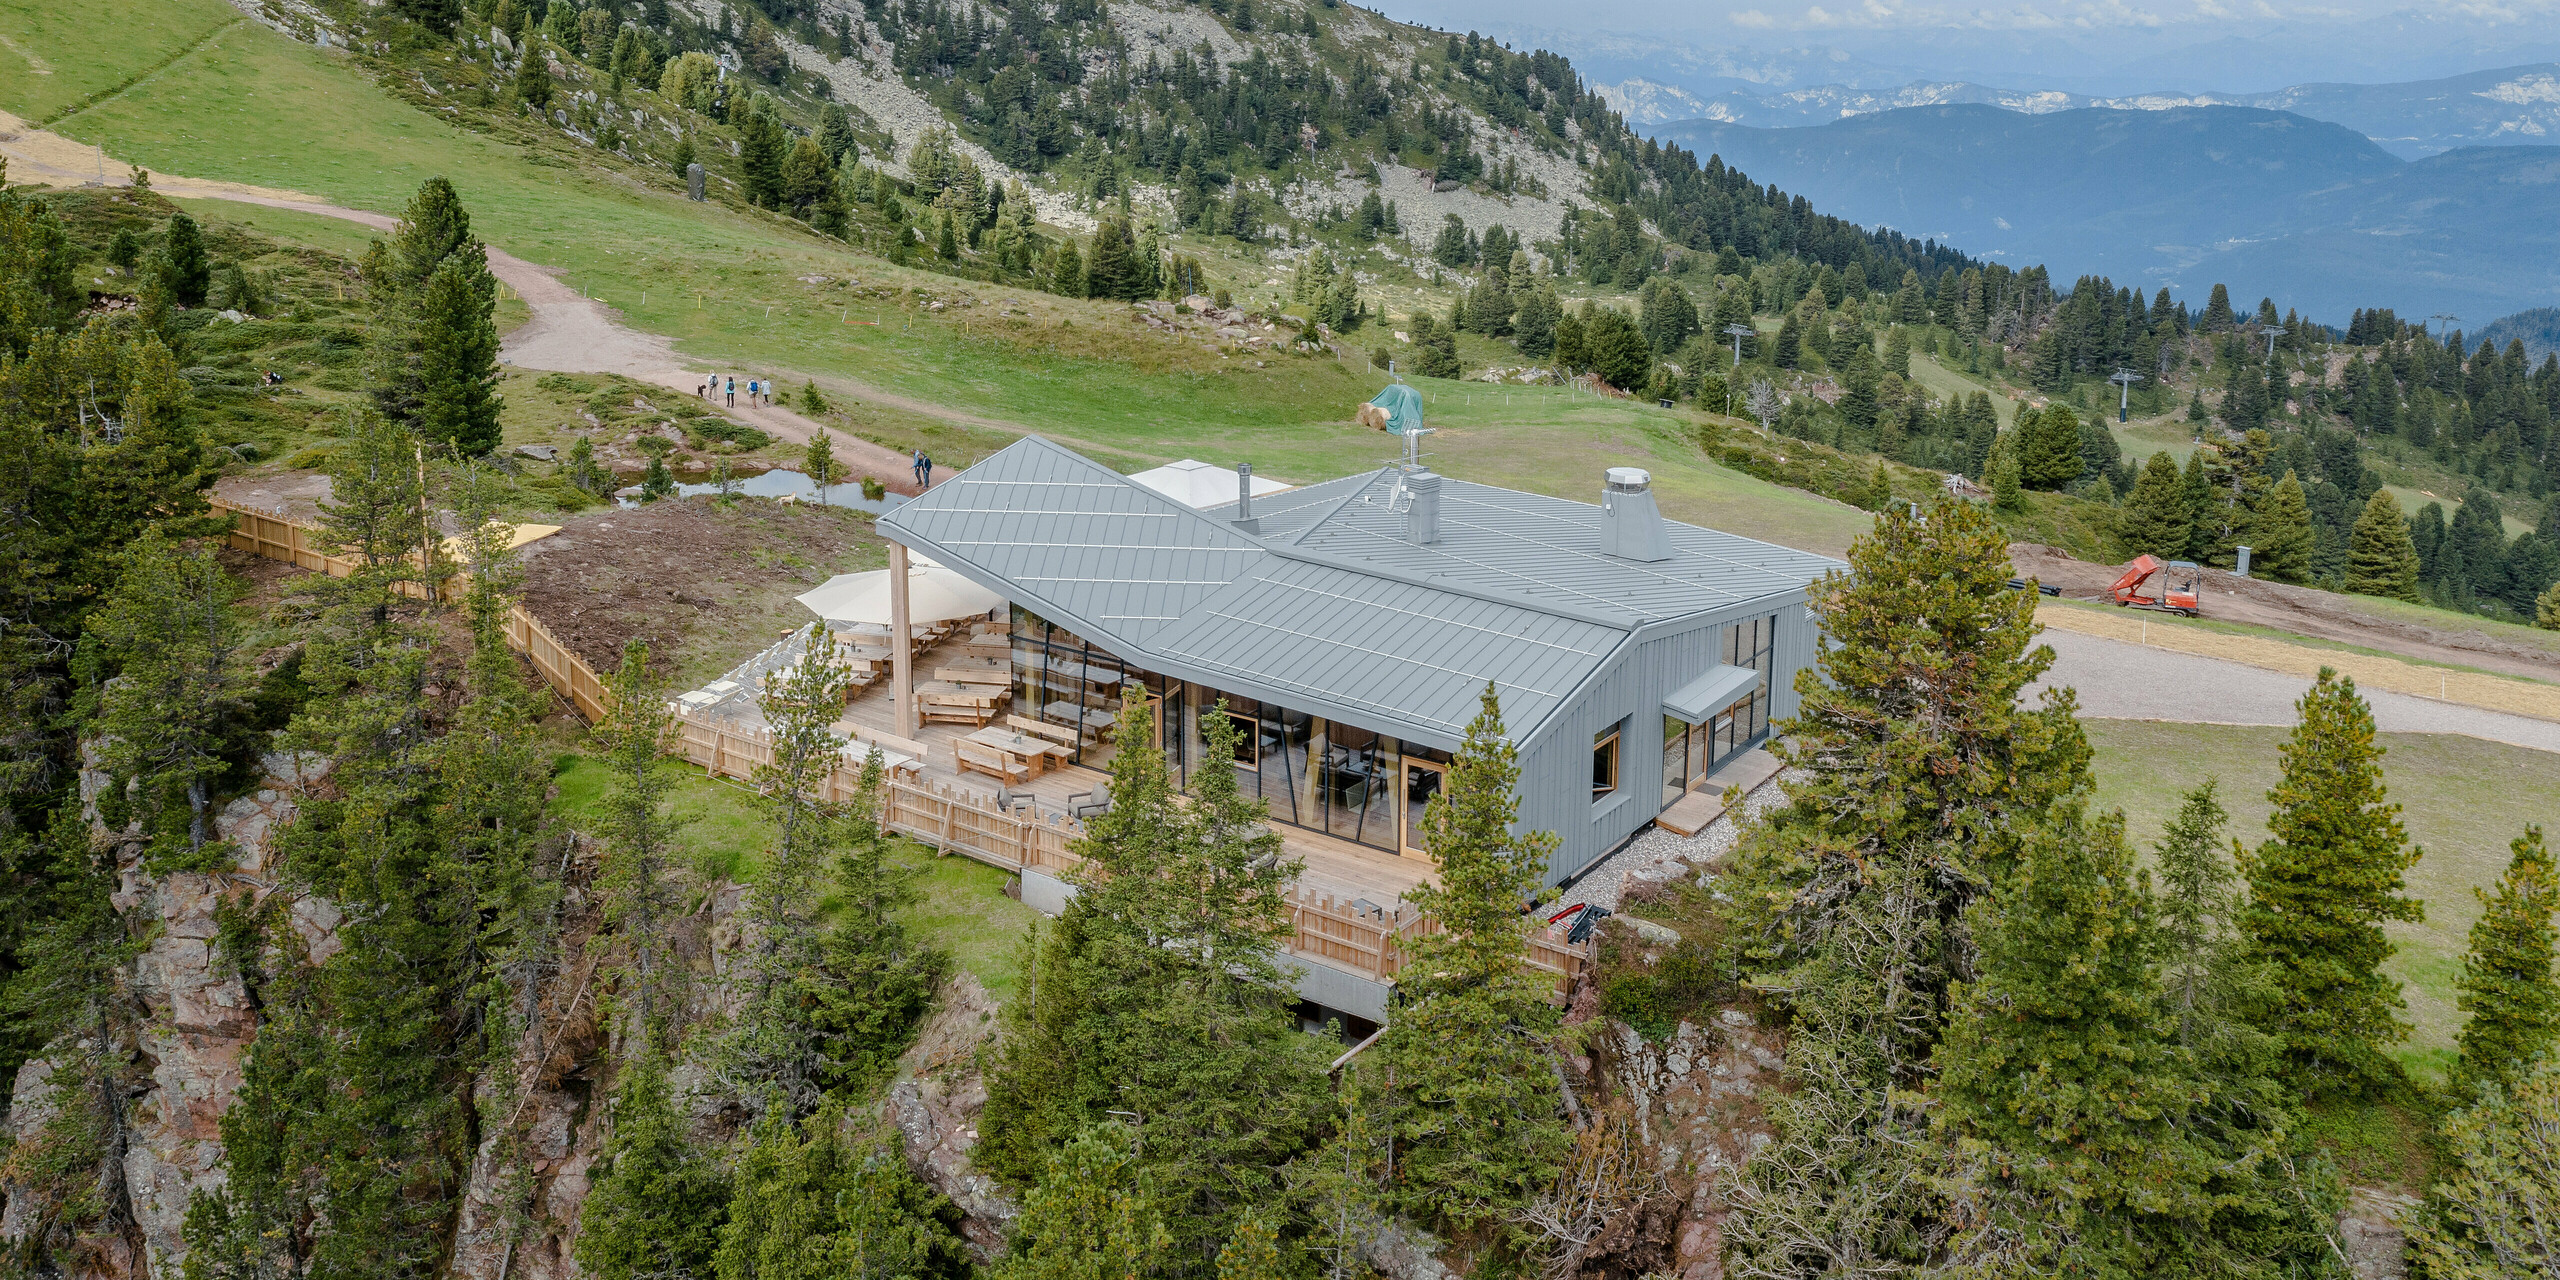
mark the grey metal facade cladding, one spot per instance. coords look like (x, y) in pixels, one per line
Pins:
(1329, 610)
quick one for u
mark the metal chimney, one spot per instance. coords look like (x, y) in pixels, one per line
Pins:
(1244, 499)
(1422, 509)
(1630, 523)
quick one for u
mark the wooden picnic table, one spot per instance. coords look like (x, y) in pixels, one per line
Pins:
(978, 671)
(999, 648)
(1034, 755)
(950, 700)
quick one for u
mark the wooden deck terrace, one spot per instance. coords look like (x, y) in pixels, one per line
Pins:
(1339, 868)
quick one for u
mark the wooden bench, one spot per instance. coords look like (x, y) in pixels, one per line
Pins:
(1057, 733)
(989, 761)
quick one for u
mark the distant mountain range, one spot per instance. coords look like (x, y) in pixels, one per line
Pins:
(2314, 214)
(2509, 106)
(2538, 330)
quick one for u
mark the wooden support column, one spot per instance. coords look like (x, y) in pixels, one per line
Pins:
(901, 641)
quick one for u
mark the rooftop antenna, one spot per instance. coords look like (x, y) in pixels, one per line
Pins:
(2124, 380)
(1738, 332)
(1413, 446)
(2274, 331)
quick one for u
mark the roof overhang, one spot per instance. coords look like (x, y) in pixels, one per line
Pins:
(1698, 701)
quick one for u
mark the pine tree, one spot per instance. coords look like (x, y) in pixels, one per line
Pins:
(2546, 608)
(1897, 351)
(1467, 1063)
(635, 878)
(1253, 1252)
(2154, 519)
(2057, 1074)
(813, 1203)
(819, 461)
(2488, 1216)
(791, 1040)
(1617, 350)
(184, 268)
(2283, 529)
(1111, 272)
(1160, 992)
(435, 343)
(1879, 494)
(875, 982)
(655, 1204)
(2107, 1121)
(2381, 560)
(2049, 447)
(1921, 773)
(169, 720)
(2008, 489)
(1092, 1216)
(457, 356)
(2217, 312)
(2320, 890)
(533, 80)
(2507, 985)
(2203, 528)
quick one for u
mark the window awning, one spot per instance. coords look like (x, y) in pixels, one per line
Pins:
(1719, 688)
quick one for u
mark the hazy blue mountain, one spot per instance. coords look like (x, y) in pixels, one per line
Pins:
(2538, 329)
(2511, 106)
(2232, 55)
(2274, 204)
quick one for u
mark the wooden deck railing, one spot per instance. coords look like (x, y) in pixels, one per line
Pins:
(1362, 940)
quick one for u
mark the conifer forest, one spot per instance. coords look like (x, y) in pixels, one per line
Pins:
(341, 942)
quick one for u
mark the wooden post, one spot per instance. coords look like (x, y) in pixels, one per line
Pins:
(903, 666)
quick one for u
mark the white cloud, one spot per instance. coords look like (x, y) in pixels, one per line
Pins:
(1754, 19)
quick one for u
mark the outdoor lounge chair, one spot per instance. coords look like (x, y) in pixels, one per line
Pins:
(1086, 804)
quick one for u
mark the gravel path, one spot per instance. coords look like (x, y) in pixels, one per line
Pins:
(2120, 681)
(1656, 855)
(2116, 681)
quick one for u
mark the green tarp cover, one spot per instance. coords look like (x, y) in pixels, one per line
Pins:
(1403, 405)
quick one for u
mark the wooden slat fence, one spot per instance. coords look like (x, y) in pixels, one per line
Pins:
(1362, 940)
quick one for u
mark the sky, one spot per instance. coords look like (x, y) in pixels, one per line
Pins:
(2084, 46)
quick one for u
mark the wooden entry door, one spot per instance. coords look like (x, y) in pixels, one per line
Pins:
(1422, 780)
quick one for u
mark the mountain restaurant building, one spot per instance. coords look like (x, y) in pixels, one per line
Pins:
(1349, 629)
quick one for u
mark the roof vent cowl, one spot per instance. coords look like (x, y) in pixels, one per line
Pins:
(1422, 508)
(1631, 525)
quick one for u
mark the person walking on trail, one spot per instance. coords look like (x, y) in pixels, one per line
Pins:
(915, 465)
(924, 469)
(732, 392)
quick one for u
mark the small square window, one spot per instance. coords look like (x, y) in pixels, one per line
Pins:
(1604, 762)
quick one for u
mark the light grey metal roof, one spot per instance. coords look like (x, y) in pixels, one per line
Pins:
(1543, 549)
(1327, 610)
(1710, 693)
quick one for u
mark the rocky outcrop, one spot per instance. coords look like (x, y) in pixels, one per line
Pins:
(197, 1023)
(939, 1095)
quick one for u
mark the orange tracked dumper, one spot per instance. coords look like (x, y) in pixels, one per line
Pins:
(2180, 587)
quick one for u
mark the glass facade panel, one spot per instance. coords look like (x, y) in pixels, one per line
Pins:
(1061, 679)
(1691, 752)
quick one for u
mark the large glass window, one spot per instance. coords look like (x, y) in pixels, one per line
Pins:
(1340, 779)
(1690, 752)
(1061, 679)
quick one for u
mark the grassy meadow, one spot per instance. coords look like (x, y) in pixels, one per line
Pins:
(2462, 800)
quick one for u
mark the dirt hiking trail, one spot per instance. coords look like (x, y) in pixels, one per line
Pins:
(566, 333)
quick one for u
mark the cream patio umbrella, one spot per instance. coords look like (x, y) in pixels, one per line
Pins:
(934, 594)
